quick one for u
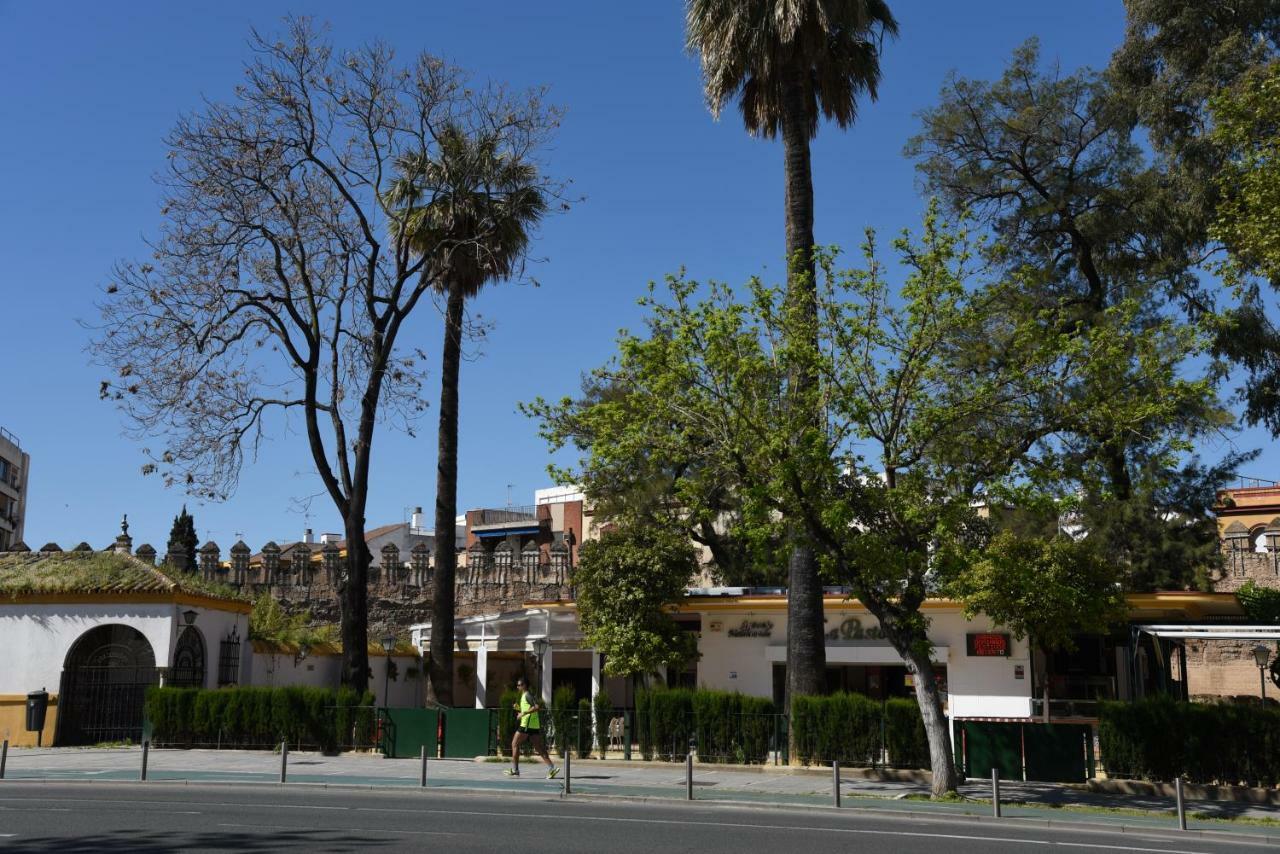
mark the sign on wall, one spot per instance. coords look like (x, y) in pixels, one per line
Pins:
(987, 644)
(752, 629)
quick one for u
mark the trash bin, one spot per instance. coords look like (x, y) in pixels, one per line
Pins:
(37, 707)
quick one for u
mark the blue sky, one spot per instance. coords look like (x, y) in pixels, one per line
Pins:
(91, 88)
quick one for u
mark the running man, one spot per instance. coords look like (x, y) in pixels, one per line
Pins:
(528, 727)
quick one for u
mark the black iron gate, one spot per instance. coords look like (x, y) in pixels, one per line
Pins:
(104, 686)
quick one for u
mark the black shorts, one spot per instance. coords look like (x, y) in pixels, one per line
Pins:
(529, 730)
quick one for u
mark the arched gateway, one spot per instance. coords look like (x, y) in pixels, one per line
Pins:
(104, 684)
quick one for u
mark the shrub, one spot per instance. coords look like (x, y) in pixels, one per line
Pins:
(644, 734)
(904, 734)
(603, 712)
(564, 711)
(671, 722)
(1160, 738)
(259, 717)
(583, 728)
(843, 727)
(507, 720)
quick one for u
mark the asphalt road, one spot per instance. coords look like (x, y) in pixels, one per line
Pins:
(70, 819)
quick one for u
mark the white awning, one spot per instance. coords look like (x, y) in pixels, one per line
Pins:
(1211, 631)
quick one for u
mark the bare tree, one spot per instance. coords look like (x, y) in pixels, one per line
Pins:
(282, 278)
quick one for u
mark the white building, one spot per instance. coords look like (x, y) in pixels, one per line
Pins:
(96, 629)
(15, 467)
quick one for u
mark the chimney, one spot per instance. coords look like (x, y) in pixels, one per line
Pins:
(308, 537)
(416, 521)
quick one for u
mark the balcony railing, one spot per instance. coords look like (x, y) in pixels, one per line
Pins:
(5, 434)
(527, 513)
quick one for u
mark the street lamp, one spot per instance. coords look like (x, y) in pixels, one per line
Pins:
(388, 646)
(1260, 656)
(540, 647)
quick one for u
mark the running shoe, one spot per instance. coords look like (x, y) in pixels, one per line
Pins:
(553, 773)
(511, 772)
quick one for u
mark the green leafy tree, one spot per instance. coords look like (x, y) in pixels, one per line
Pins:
(1246, 126)
(626, 583)
(1083, 226)
(183, 540)
(790, 63)
(1047, 589)
(912, 431)
(471, 204)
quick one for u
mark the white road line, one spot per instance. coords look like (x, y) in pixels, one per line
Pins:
(339, 829)
(788, 827)
(679, 822)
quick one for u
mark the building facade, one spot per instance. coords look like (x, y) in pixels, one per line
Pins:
(15, 467)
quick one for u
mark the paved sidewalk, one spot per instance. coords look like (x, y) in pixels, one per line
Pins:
(617, 778)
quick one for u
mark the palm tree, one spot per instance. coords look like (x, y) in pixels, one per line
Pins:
(472, 205)
(790, 63)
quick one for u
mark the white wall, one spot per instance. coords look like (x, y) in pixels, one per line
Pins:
(277, 670)
(979, 687)
(38, 637)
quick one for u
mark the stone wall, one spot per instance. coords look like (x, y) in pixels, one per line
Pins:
(1239, 566)
(305, 577)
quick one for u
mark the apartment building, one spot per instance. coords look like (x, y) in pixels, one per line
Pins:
(14, 468)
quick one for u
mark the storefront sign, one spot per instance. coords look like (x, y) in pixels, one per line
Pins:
(851, 629)
(752, 629)
(987, 644)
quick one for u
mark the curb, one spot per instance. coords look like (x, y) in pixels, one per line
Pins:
(1170, 833)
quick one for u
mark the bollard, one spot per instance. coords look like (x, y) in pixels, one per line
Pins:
(146, 746)
(4, 757)
(688, 776)
(568, 771)
(284, 760)
(1182, 807)
(835, 783)
(995, 792)
(423, 779)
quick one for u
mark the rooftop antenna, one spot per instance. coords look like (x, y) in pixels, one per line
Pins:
(509, 485)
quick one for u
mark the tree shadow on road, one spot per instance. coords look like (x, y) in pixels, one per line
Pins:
(151, 841)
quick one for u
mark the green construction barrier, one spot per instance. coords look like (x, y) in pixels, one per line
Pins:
(1054, 753)
(406, 731)
(468, 732)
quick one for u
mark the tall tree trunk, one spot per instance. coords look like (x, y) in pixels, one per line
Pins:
(806, 650)
(446, 557)
(354, 601)
(936, 730)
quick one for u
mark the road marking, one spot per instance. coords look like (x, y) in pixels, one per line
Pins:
(626, 820)
(788, 827)
(339, 829)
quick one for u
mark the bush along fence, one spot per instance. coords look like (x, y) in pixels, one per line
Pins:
(313, 718)
(859, 731)
(1160, 739)
(719, 726)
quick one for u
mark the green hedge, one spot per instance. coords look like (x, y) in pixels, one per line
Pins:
(564, 709)
(583, 727)
(725, 727)
(260, 717)
(603, 711)
(507, 720)
(904, 734)
(1160, 738)
(848, 728)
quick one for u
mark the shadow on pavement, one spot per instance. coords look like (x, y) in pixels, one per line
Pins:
(149, 841)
